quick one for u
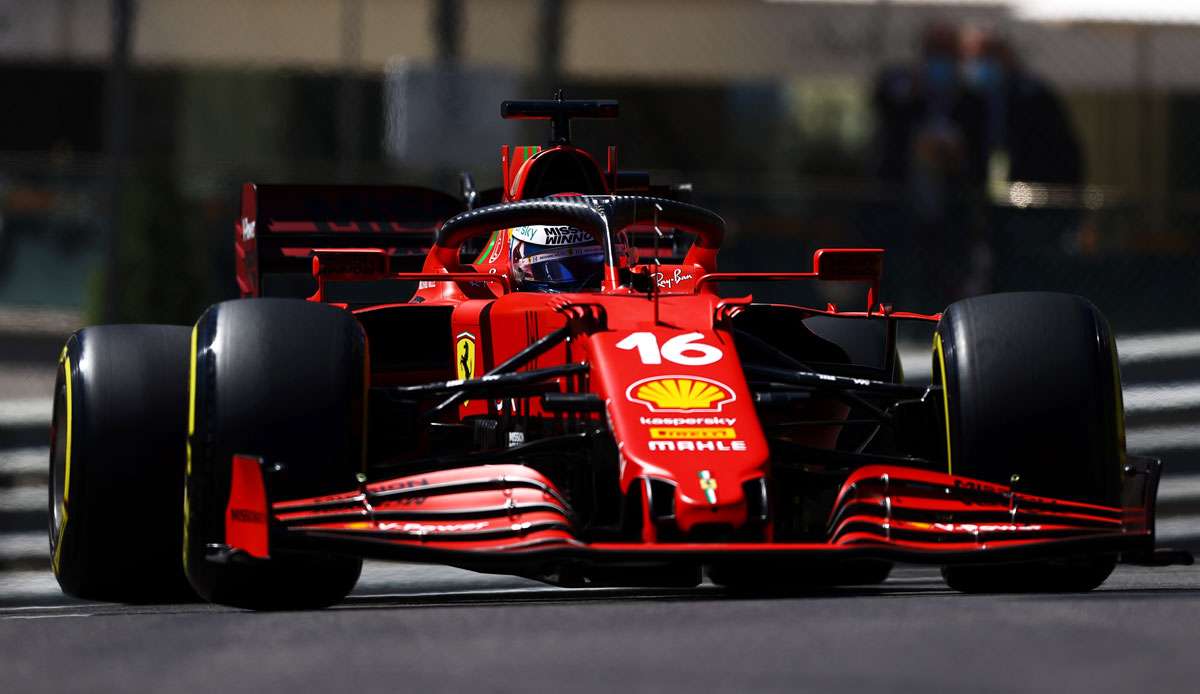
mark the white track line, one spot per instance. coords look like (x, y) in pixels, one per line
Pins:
(1152, 347)
(1177, 528)
(1161, 438)
(56, 615)
(24, 498)
(1162, 397)
(25, 545)
(23, 413)
(29, 608)
(24, 461)
(1179, 488)
(28, 584)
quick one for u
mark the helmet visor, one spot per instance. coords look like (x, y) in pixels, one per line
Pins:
(557, 268)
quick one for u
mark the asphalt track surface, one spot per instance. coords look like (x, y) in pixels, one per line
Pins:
(421, 629)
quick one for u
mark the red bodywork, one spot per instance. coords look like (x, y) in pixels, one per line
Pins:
(683, 420)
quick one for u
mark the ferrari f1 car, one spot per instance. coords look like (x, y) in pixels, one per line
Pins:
(567, 395)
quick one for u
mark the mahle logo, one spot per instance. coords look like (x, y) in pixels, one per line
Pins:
(681, 394)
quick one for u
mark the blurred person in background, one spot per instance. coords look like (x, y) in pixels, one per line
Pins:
(1029, 139)
(1027, 124)
(932, 150)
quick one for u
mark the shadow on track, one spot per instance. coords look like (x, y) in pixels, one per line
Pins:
(578, 596)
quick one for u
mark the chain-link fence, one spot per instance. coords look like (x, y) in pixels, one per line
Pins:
(988, 146)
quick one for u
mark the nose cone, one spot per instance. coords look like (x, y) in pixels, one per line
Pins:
(686, 417)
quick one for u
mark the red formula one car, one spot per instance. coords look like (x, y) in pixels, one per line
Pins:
(566, 398)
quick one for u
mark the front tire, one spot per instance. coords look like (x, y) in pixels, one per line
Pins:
(116, 464)
(1032, 398)
(283, 380)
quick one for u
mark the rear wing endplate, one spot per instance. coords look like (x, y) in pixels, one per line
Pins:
(280, 225)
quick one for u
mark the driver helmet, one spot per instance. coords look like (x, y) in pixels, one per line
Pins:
(548, 258)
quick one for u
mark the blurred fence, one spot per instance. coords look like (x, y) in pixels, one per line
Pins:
(777, 111)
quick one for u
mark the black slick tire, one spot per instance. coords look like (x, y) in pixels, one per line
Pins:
(1032, 398)
(116, 464)
(283, 380)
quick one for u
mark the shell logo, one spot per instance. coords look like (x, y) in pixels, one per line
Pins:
(680, 394)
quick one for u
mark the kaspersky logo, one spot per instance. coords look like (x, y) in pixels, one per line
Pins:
(680, 394)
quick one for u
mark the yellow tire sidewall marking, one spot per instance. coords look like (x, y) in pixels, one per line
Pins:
(64, 361)
(941, 358)
(191, 430)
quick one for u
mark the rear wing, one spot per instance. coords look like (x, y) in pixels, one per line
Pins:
(280, 226)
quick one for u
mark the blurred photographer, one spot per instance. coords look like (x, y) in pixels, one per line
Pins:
(932, 151)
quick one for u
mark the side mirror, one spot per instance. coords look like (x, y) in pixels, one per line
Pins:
(848, 264)
(346, 265)
(349, 263)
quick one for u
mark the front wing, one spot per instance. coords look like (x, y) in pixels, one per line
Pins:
(509, 518)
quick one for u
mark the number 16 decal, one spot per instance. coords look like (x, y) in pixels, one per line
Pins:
(681, 349)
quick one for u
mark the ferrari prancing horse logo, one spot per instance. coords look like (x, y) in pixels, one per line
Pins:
(464, 356)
